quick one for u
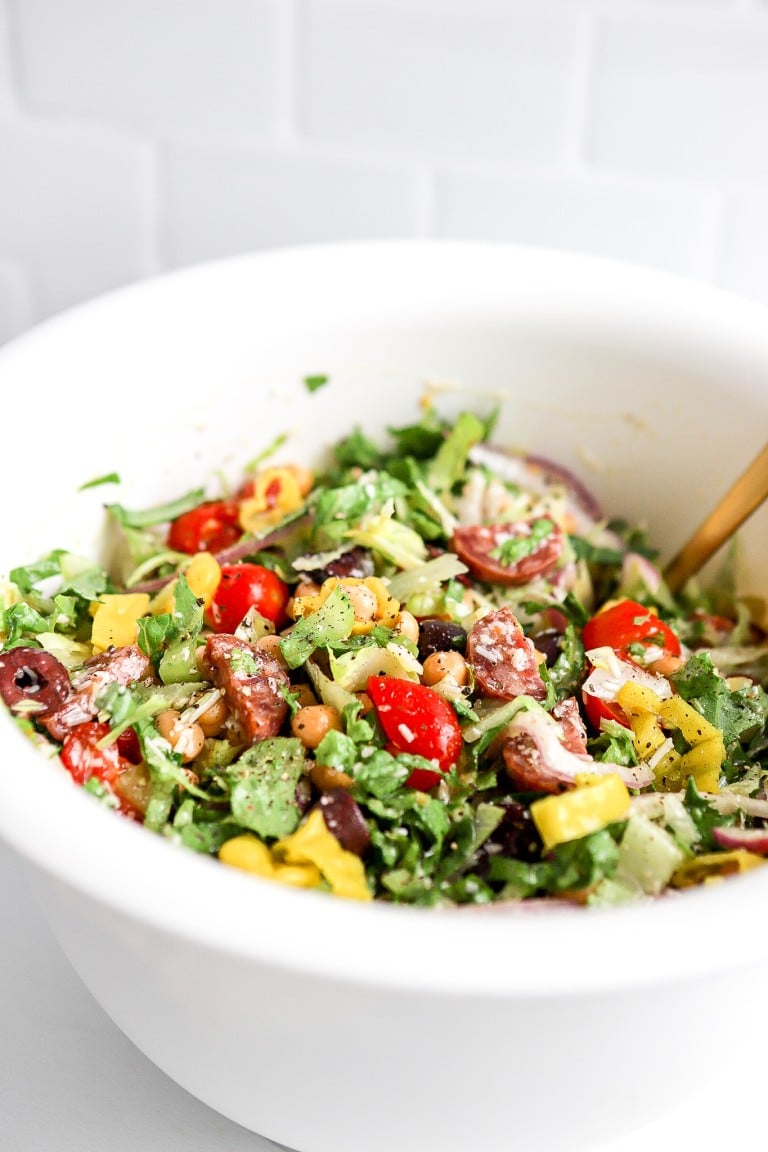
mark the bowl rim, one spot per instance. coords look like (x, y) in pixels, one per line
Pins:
(473, 952)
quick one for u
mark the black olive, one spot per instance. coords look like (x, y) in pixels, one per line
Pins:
(345, 820)
(440, 636)
(32, 674)
(356, 563)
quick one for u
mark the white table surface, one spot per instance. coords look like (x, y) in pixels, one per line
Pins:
(71, 1082)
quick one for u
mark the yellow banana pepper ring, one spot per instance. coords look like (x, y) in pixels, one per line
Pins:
(203, 574)
(385, 610)
(276, 492)
(715, 866)
(115, 619)
(303, 859)
(649, 715)
(313, 842)
(250, 854)
(595, 802)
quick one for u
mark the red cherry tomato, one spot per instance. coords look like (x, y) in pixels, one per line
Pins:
(207, 528)
(244, 586)
(129, 747)
(416, 719)
(627, 624)
(83, 759)
(597, 710)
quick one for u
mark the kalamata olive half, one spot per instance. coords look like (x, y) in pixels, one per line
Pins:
(356, 563)
(440, 636)
(345, 820)
(516, 837)
(549, 643)
(32, 675)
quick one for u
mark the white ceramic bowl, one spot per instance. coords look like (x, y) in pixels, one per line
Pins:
(323, 1024)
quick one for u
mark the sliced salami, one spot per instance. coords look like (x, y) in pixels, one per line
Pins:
(503, 658)
(572, 727)
(537, 759)
(251, 681)
(126, 665)
(511, 554)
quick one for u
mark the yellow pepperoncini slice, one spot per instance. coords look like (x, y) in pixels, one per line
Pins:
(651, 718)
(313, 842)
(250, 854)
(703, 761)
(593, 803)
(303, 859)
(637, 699)
(203, 574)
(678, 713)
(115, 619)
(386, 611)
(276, 492)
(715, 866)
(647, 734)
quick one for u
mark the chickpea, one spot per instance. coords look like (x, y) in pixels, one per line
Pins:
(666, 664)
(166, 722)
(212, 720)
(367, 703)
(305, 697)
(186, 739)
(312, 723)
(306, 588)
(364, 602)
(324, 777)
(407, 626)
(438, 665)
(271, 645)
(203, 664)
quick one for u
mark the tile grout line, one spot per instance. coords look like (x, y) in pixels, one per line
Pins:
(15, 104)
(288, 36)
(424, 200)
(153, 242)
(712, 229)
(580, 101)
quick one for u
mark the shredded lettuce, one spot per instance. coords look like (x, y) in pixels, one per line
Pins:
(334, 620)
(448, 466)
(390, 538)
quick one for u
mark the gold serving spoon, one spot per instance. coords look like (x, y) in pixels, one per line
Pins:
(737, 505)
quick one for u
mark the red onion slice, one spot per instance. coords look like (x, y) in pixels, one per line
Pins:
(539, 475)
(610, 673)
(554, 762)
(247, 546)
(753, 839)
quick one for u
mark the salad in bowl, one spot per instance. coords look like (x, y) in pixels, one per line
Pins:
(433, 672)
(353, 748)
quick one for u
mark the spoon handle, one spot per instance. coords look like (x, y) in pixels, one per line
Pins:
(739, 502)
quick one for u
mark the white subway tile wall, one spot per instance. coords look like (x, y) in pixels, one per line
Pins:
(219, 201)
(144, 136)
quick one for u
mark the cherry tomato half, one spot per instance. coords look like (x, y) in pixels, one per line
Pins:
(625, 625)
(416, 719)
(207, 528)
(597, 710)
(244, 586)
(112, 765)
(83, 758)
